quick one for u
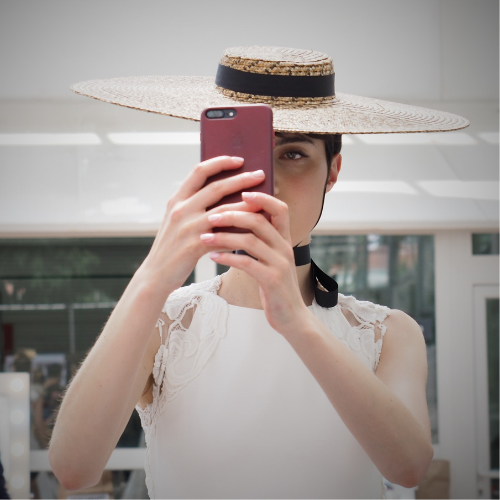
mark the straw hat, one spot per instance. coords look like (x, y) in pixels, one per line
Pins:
(297, 84)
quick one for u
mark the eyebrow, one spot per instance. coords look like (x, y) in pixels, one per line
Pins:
(287, 139)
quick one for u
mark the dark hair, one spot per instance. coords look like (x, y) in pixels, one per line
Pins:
(333, 145)
(332, 142)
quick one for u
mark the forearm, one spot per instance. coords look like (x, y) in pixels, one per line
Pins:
(385, 428)
(98, 403)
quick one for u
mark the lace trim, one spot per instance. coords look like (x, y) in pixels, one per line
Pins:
(185, 352)
(369, 316)
(181, 358)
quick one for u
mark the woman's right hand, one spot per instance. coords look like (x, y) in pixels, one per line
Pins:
(177, 246)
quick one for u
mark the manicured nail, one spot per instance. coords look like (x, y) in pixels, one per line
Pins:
(207, 237)
(214, 217)
(258, 173)
(249, 196)
(214, 255)
(239, 159)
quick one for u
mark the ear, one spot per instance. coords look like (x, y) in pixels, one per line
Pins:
(334, 171)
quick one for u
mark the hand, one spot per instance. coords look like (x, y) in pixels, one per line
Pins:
(271, 244)
(177, 246)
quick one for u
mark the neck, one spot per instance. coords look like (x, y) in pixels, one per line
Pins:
(240, 289)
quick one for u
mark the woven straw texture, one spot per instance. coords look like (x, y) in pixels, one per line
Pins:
(187, 96)
(278, 61)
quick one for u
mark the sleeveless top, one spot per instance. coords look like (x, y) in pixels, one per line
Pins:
(237, 414)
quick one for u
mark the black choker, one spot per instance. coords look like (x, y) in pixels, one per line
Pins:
(324, 298)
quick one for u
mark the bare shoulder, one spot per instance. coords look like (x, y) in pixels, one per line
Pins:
(403, 346)
(401, 328)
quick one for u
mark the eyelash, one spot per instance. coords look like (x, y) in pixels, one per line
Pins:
(294, 151)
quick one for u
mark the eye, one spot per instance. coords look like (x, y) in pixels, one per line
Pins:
(293, 154)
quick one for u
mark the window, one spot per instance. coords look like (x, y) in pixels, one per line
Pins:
(485, 243)
(55, 298)
(393, 270)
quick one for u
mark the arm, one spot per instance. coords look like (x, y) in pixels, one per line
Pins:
(102, 395)
(387, 412)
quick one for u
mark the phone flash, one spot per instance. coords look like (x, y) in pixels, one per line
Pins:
(231, 113)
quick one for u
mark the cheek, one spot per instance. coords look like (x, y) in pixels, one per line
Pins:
(304, 197)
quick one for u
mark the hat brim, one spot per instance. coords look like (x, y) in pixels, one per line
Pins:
(187, 96)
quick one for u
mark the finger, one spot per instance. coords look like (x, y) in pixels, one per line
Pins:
(200, 224)
(256, 223)
(242, 206)
(278, 210)
(201, 172)
(252, 245)
(215, 191)
(236, 241)
(204, 225)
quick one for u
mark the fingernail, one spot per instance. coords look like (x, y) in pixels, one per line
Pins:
(258, 173)
(249, 196)
(206, 236)
(214, 217)
(214, 255)
(237, 158)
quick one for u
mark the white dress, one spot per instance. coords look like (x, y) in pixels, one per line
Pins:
(237, 414)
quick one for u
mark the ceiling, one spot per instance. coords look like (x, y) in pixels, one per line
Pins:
(440, 54)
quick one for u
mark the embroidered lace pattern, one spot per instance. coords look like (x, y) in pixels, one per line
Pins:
(184, 351)
(368, 325)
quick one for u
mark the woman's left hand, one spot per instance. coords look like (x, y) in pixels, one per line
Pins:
(271, 244)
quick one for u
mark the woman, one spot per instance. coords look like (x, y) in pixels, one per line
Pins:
(230, 375)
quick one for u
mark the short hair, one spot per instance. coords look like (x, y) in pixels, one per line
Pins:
(332, 142)
(333, 145)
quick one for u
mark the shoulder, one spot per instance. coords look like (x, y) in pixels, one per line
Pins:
(403, 355)
(363, 312)
(397, 336)
(402, 332)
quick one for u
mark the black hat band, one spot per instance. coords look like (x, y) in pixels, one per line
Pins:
(275, 85)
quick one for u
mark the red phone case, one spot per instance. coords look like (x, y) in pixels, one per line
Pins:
(249, 134)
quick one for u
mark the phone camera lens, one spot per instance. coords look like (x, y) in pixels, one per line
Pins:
(215, 113)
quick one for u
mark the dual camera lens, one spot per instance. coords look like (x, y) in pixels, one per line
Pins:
(221, 113)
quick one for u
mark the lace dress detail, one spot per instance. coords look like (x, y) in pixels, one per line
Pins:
(184, 352)
(369, 317)
(192, 324)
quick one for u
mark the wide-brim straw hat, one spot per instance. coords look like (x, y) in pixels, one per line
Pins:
(297, 84)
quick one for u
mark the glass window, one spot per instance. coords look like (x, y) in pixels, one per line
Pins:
(55, 297)
(485, 243)
(393, 270)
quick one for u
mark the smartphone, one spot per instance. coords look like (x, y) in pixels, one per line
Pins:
(245, 131)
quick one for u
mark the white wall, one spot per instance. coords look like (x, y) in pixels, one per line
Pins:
(390, 49)
(457, 271)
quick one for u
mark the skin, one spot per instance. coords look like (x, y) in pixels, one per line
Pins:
(386, 411)
(300, 173)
